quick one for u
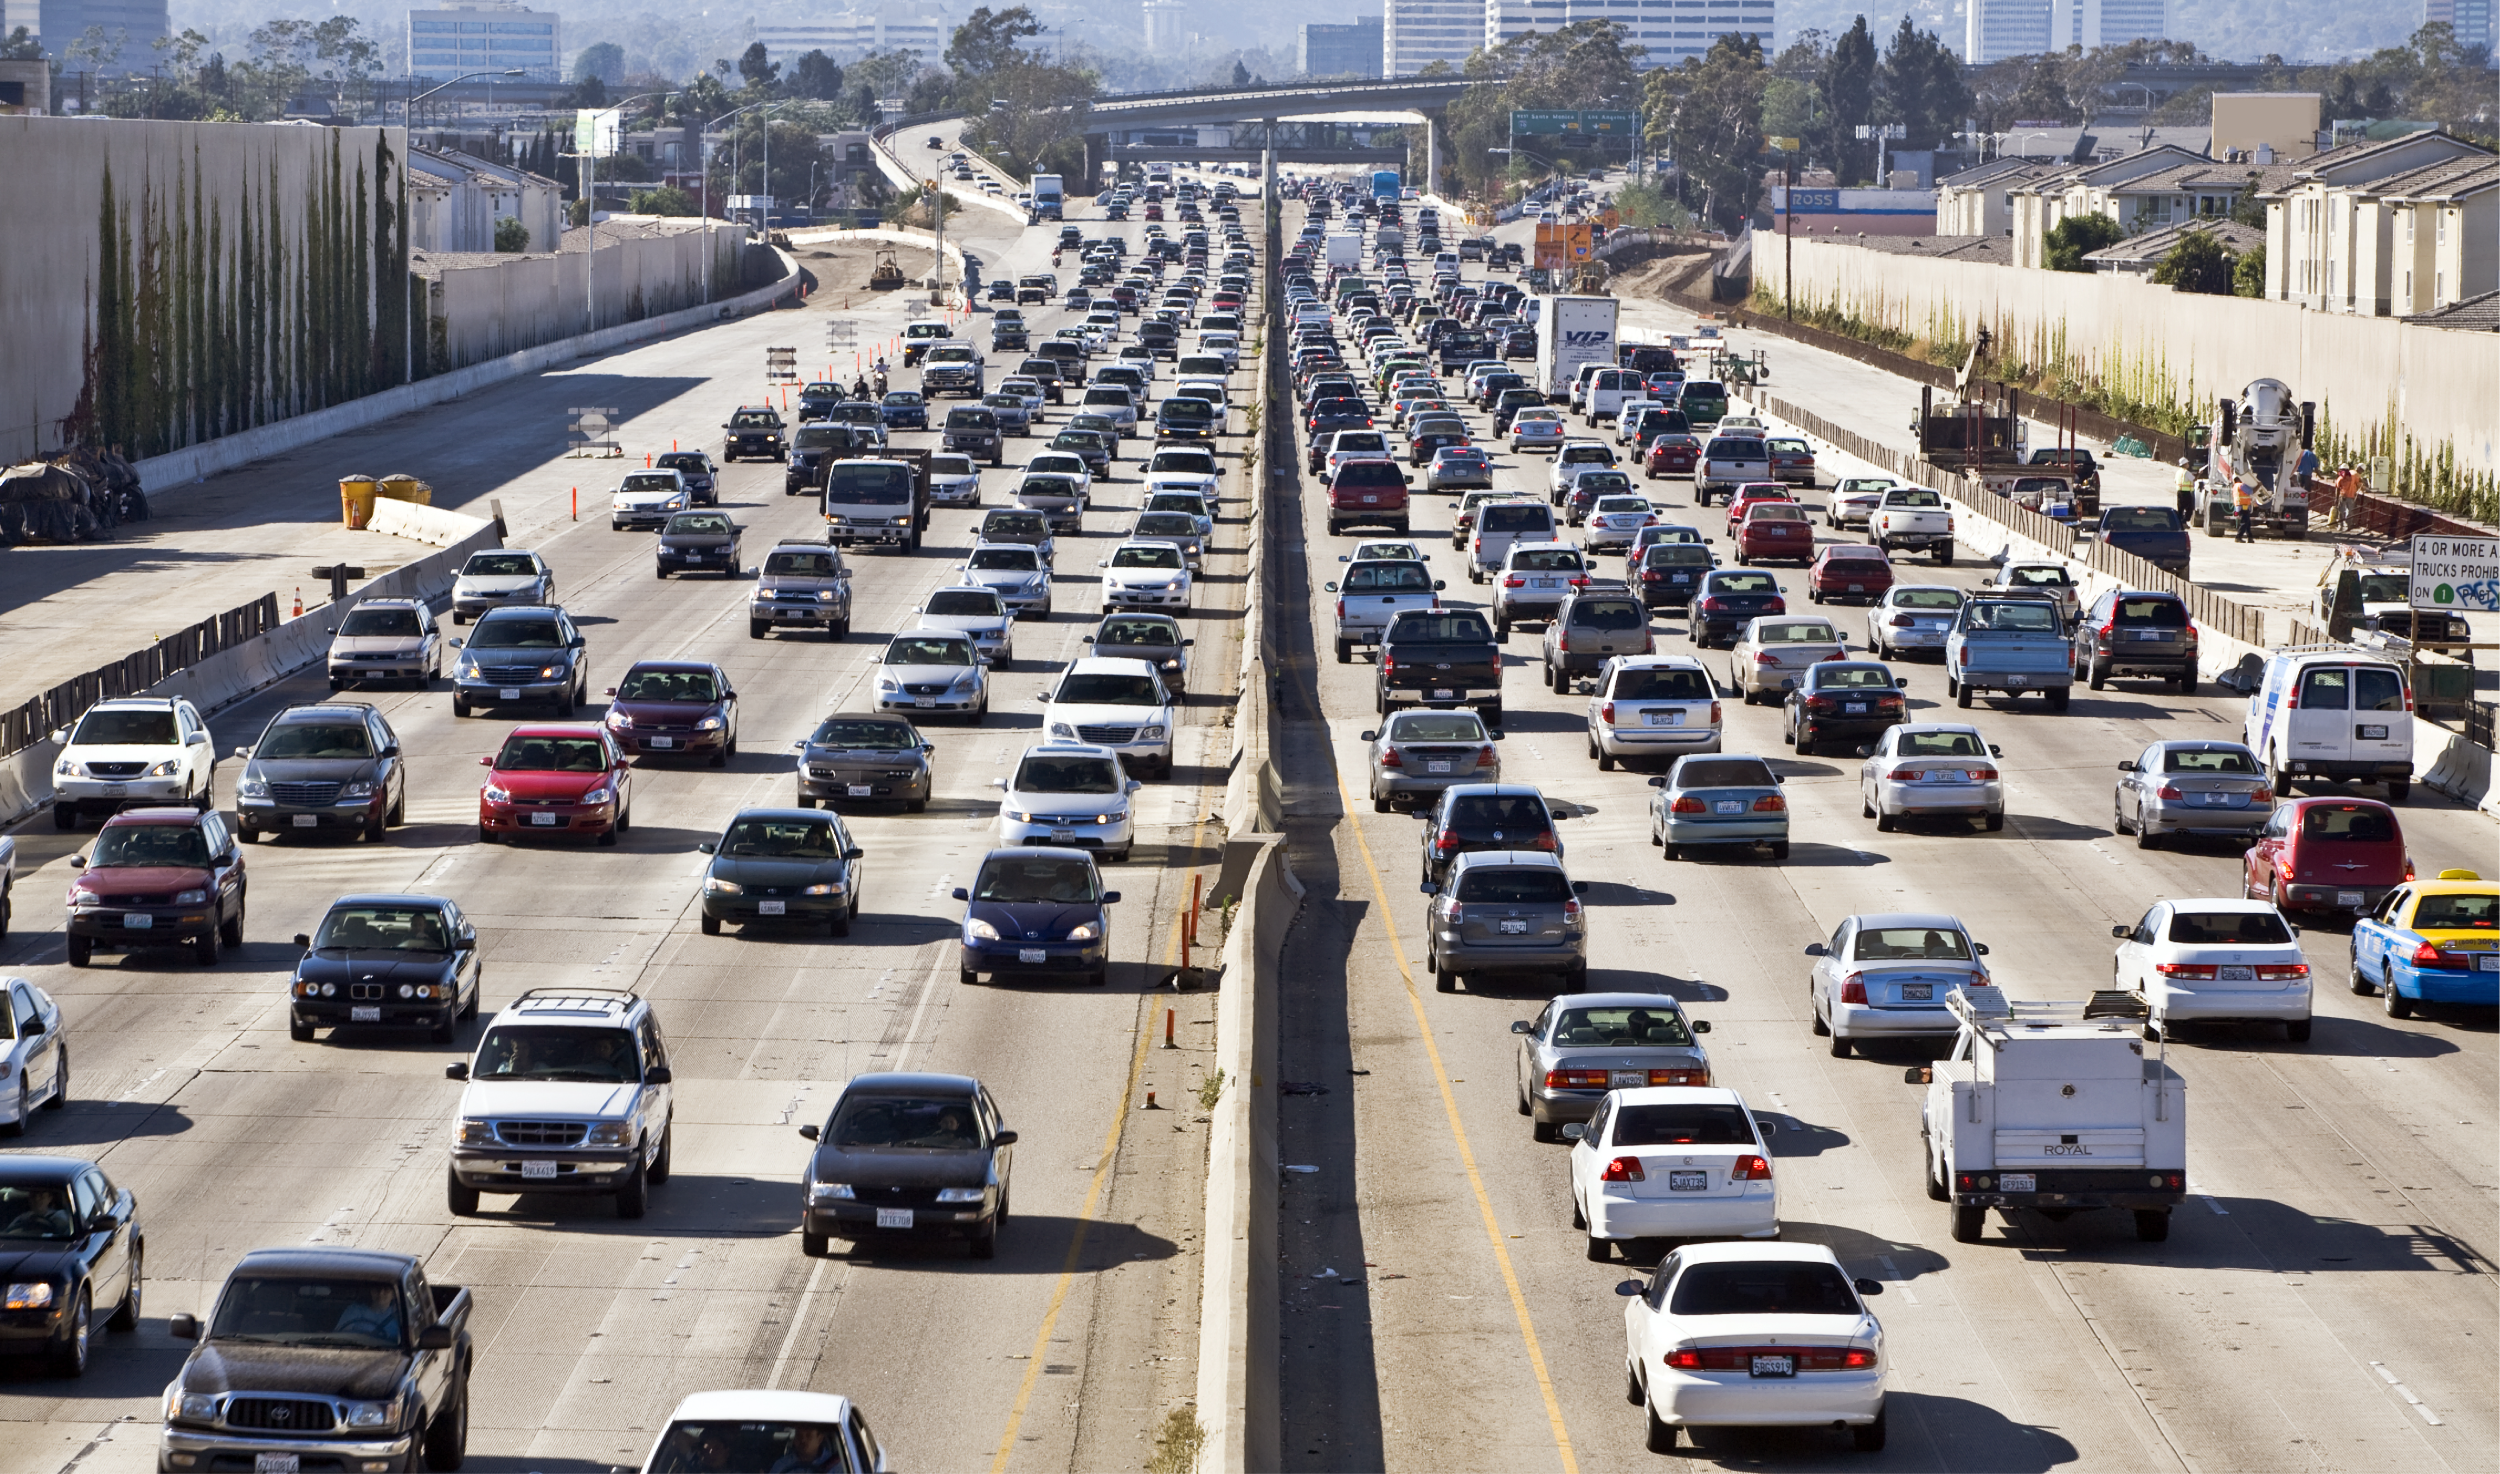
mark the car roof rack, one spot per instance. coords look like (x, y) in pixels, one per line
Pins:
(625, 996)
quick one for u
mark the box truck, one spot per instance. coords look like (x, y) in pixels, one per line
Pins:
(1571, 331)
(1049, 196)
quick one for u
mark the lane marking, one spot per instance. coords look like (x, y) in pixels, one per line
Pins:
(2406, 1393)
(1892, 1272)
(1466, 1153)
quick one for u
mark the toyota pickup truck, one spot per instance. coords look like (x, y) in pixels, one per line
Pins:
(2154, 534)
(1440, 657)
(2011, 644)
(1914, 518)
(322, 1358)
(1374, 592)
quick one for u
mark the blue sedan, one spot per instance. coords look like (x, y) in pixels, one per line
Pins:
(1037, 911)
(904, 409)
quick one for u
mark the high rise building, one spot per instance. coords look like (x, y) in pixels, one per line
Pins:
(2472, 19)
(1416, 33)
(1996, 29)
(1342, 51)
(485, 35)
(2092, 23)
(132, 26)
(1167, 27)
(848, 35)
(1671, 30)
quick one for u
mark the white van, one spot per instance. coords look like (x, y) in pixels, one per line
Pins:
(1498, 525)
(2332, 714)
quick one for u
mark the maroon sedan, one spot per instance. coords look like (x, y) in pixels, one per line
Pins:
(675, 708)
(1775, 530)
(1850, 573)
(1671, 455)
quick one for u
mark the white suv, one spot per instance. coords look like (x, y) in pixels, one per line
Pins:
(150, 749)
(1114, 703)
(569, 1093)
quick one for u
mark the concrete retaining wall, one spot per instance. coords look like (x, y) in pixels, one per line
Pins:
(497, 308)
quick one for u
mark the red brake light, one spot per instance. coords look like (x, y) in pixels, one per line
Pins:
(2262, 796)
(1770, 803)
(1679, 1077)
(2171, 790)
(1625, 1169)
(1447, 841)
(1750, 1169)
(1765, 657)
(1778, 606)
(1606, 713)
(1983, 775)
(2282, 972)
(1902, 621)
(2191, 971)
(1485, 754)
(1571, 910)
(2408, 867)
(1714, 713)
(1853, 989)
(1689, 805)
(1575, 1079)
(1545, 841)
(1389, 758)
(1514, 583)
(2429, 955)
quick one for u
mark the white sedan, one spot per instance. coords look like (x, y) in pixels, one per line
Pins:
(2215, 961)
(1774, 651)
(34, 1062)
(1754, 1335)
(1145, 575)
(1062, 463)
(1614, 521)
(1855, 499)
(1671, 1161)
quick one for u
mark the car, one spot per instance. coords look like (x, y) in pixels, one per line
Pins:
(1839, 700)
(1026, 390)
(1177, 528)
(1090, 452)
(1754, 1335)
(1503, 913)
(1113, 403)
(500, 576)
(2136, 632)
(932, 672)
(1485, 816)
(1183, 467)
(696, 469)
(1594, 623)
(1145, 575)
(386, 640)
(391, 960)
(954, 481)
(692, 541)
(1672, 1162)
(1068, 793)
(816, 397)
(1459, 465)
(1036, 912)
(327, 768)
(1887, 976)
(1854, 499)
(2043, 577)
(1574, 458)
(1538, 429)
(1018, 571)
(1718, 800)
(1792, 459)
(522, 653)
(2191, 786)
(1582, 1045)
(568, 778)
(2431, 941)
(1582, 495)
(1774, 653)
(754, 430)
(1616, 519)
(570, 1092)
(157, 878)
(1848, 573)
(1665, 574)
(126, 749)
(2214, 960)
(773, 866)
(977, 612)
(1925, 770)
(1121, 704)
(899, 1155)
(865, 756)
(2327, 855)
(1730, 599)
(76, 1250)
(675, 708)
(1745, 496)
(1185, 499)
(1911, 616)
(647, 499)
(34, 1049)
(1416, 754)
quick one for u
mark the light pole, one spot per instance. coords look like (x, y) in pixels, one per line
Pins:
(703, 169)
(589, 156)
(2027, 137)
(407, 110)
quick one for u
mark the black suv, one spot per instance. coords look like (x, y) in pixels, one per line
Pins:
(1485, 816)
(754, 430)
(821, 442)
(2132, 632)
(331, 768)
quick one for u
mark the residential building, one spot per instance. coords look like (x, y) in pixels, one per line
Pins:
(2269, 127)
(133, 25)
(2472, 19)
(1416, 33)
(1993, 30)
(2473, 315)
(2137, 255)
(2333, 241)
(485, 35)
(1670, 30)
(1342, 51)
(1977, 201)
(848, 35)
(2142, 191)
(1167, 30)
(454, 200)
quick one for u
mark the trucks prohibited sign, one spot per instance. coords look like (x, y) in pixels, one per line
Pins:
(2456, 573)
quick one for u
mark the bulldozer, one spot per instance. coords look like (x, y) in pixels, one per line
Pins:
(887, 276)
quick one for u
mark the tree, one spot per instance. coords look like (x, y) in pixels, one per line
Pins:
(590, 92)
(816, 76)
(604, 60)
(759, 69)
(1708, 112)
(1922, 88)
(1585, 65)
(22, 46)
(2076, 236)
(1849, 101)
(986, 41)
(2198, 263)
(1241, 74)
(511, 235)
(2248, 275)
(1792, 109)
(668, 199)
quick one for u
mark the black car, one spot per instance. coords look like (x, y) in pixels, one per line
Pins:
(1009, 338)
(1002, 290)
(1728, 597)
(393, 961)
(1093, 446)
(1842, 701)
(817, 398)
(754, 430)
(861, 756)
(1670, 572)
(1332, 415)
(695, 468)
(70, 1247)
(908, 1154)
(1036, 912)
(1433, 436)
(774, 865)
(331, 768)
(1484, 816)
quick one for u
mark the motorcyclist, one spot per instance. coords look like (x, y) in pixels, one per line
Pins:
(881, 373)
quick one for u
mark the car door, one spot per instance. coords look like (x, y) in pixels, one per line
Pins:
(393, 778)
(38, 1050)
(2374, 936)
(199, 755)
(226, 866)
(620, 772)
(109, 1248)
(429, 642)
(2147, 776)
(2133, 962)
(1832, 965)
(656, 1107)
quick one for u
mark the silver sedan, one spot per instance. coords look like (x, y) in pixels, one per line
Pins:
(2191, 787)
(1419, 753)
(1911, 616)
(1930, 770)
(1776, 650)
(1585, 1044)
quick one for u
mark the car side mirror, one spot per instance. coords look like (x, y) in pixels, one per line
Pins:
(1523, 1026)
(78, 862)
(1658, 782)
(1919, 1075)
(183, 1327)
(854, 853)
(1111, 898)
(1868, 1286)
(1768, 1128)
(486, 762)
(1995, 751)
(1701, 1026)
(391, 751)
(1330, 586)
(611, 690)
(434, 1338)
(2122, 932)
(456, 1070)
(658, 1075)
(708, 847)
(303, 940)
(2126, 766)
(457, 644)
(1439, 584)
(1004, 1138)
(961, 894)
(243, 752)
(1429, 889)
(196, 739)
(1817, 949)
(1866, 749)
(810, 1132)
(1574, 1130)
(1981, 948)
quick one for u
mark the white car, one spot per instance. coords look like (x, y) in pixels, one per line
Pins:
(1224, 345)
(1118, 703)
(1570, 461)
(1020, 572)
(1615, 520)
(1628, 418)
(1671, 1161)
(1210, 390)
(646, 498)
(133, 748)
(1062, 463)
(34, 1062)
(1887, 975)
(500, 576)
(1774, 651)
(1068, 793)
(1541, 428)
(1182, 467)
(1145, 575)
(978, 612)
(1652, 706)
(767, 1430)
(1754, 1336)
(1854, 500)
(954, 481)
(2215, 961)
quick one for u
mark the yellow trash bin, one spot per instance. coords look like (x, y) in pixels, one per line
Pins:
(356, 495)
(406, 488)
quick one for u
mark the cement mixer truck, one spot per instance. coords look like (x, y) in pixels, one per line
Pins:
(2257, 441)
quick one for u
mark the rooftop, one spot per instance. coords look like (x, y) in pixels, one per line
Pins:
(2142, 252)
(2473, 315)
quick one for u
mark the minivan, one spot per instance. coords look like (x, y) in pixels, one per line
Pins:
(1498, 525)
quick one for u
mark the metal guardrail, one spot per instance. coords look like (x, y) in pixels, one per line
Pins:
(33, 720)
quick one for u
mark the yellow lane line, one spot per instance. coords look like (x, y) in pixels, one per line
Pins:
(1466, 1153)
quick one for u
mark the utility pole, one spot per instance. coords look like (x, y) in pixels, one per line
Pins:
(1788, 268)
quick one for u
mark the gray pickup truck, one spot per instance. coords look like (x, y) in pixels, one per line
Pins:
(700, 542)
(322, 1359)
(953, 368)
(2011, 644)
(974, 431)
(805, 585)
(1376, 591)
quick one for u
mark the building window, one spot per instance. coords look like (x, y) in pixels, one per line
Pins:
(2443, 227)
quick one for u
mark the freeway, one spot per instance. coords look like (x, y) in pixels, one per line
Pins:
(1063, 1353)
(2325, 1300)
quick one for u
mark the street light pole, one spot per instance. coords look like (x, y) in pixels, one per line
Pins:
(590, 205)
(407, 110)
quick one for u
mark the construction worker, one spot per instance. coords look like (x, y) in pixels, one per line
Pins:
(2347, 496)
(2245, 497)
(2184, 484)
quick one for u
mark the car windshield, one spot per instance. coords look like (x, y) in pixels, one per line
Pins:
(2038, 577)
(316, 740)
(1188, 503)
(1167, 524)
(1522, 812)
(971, 419)
(384, 623)
(1109, 688)
(1146, 557)
(526, 754)
(1022, 560)
(781, 839)
(1527, 886)
(1926, 599)
(309, 1311)
(1057, 773)
(2230, 928)
(1764, 1287)
(1744, 583)
(1938, 744)
(1913, 497)
(500, 565)
(1547, 560)
(1732, 772)
(131, 846)
(1911, 944)
(1852, 678)
(37, 1210)
(1698, 1124)
(1621, 1026)
(807, 565)
(591, 1053)
(872, 483)
(1675, 555)
(1436, 726)
(652, 481)
(817, 437)
(703, 1445)
(2025, 618)
(1384, 577)
(2168, 614)
(383, 929)
(2219, 760)
(928, 650)
(1662, 683)
(853, 734)
(942, 1124)
(963, 601)
(517, 634)
(754, 420)
(2348, 823)
(701, 522)
(1182, 462)
(668, 685)
(2140, 519)
(1811, 632)
(1024, 879)
(1608, 614)
(124, 727)
(1776, 512)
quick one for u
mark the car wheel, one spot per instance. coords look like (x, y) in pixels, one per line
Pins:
(81, 950)
(1968, 1223)
(2098, 675)
(1961, 692)
(1868, 1438)
(447, 1437)
(840, 924)
(25, 1112)
(2152, 1225)
(1345, 652)
(375, 823)
(65, 816)
(68, 1356)
(1779, 849)
(2392, 1000)
(459, 706)
(209, 947)
(1996, 821)
(458, 1197)
(2399, 791)
(444, 1031)
(2296, 1031)
(126, 1314)
(1886, 823)
(758, 628)
(1579, 1219)
(634, 1198)
(1658, 1434)
(299, 1030)
(710, 925)
(660, 1164)
(1600, 1251)
(814, 1245)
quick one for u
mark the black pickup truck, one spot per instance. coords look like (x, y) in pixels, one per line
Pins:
(322, 1359)
(2154, 534)
(1440, 657)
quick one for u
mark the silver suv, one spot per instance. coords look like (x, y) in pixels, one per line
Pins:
(569, 1093)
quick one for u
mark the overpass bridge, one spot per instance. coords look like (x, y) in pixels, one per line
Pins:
(1304, 123)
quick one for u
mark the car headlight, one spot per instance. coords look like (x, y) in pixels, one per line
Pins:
(713, 885)
(65, 769)
(599, 795)
(370, 1414)
(190, 898)
(28, 1295)
(252, 788)
(190, 1407)
(888, 683)
(829, 888)
(1085, 931)
(550, 672)
(609, 1133)
(165, 769)
(977, 930)
(831, 1192)
(1015, 816)
(968, 678)
(80, 900)
(824, 596)
(1064, 730)
(1150, 734)
(620, 719)
(675, 504)
(468, 668)
(476, 1132)
(496, 795)
(961, 1194)
(708, 724)
(1114, 817)
(834, 521)
(359, 789)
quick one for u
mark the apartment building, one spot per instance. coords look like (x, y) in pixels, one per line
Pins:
(2391, 228)
(485, 36)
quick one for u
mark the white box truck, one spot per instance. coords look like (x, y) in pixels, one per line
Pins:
(2053, 1107)
(1570, 332)
(1049, 196)
(1345, 251)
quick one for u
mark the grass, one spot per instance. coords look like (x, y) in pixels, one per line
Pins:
(1210, 1090)
(1177, 1442)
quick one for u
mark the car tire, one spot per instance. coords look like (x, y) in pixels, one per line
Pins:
(2399, 791)
(758, 628)
(2392, 1000)
(1600, 1251)
(210, 947)
(2152, 1225)
(447, 1436)
(458, 1197)
(1579, 1219)
(1927, 1169)
(2098, 675)
(814, 1245)
(662, 1163)
(634, 1198)
(299, 1030)
(459, 706)
(1658, 1435)
(68, 1356)
(2297, 1031)
(1779, 849)
(81, 949)
(1961, 692)
(126, 1314)
(1868, 1438)
(1605, 760)
(65, 816)
(445, 1031)
(1996, 821)
(840, 924)
(1967, 1223)
(1886, 823)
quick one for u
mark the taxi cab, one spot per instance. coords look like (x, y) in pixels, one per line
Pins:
(2431, 941)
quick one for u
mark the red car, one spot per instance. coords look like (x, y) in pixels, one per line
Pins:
(1750, 494)
(675, 708)
(556, 778)
(1850, 573)
(1775, 530)
(157, 878)
(2327, 854)
(1671, 455)
(1154, 212)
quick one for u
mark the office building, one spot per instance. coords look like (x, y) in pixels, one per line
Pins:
(1993, 30)
(1167, 30)
(1416, 33)
(2092, 23)
(2472, 19)
(1342, 51)
(485, 36)
(136, 24)
(848, 35)
(1671, 30)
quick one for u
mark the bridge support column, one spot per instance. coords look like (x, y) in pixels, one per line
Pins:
(1432, 156)
(1097, 151)
(1267, 166)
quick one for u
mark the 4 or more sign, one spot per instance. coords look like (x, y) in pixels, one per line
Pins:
(2456, 573)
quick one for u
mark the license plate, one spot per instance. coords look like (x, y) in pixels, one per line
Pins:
(1545, 583)
(1062, 836)
(115, 790)
(1679, 578)
(1918, 992)
(2487, 964)
(508, 693)
(1853, 708)
(924, 702)
(1512, 928)
(659, 742)
(136, 921)
(1688, 1182)
(2213, 798)
(1951, 777)
(1445, 694)
(2348, 898)
(1857, 588)
(859, 790)
(277, 1463)
(2235, 974)
(307, 821)
(2019, 1182)
(2018, 680)
(1371, 501)
(1728, 806)
(2148, 634)
(1775, 1366)
(371, 675)
(2371, 734)
(894, 1218)
(544, 821)
(539, 1171)
(1627, 1079)
(1440, 767)
(364, 1015)
(1032, 954)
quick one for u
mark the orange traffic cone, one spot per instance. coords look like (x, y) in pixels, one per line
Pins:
(299, 602)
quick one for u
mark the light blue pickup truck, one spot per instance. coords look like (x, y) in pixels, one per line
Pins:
(2013, 644)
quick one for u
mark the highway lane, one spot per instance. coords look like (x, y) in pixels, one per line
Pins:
(1061, 1353)
(2340, 1234)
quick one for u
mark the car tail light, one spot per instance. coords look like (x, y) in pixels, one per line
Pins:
(1690, 805)
(1776, 606)
(1750, 1168)
(1765, 657)
(1448, 842)
(1341, 608)
(1714, 713)
(2408, 867)
(1983, 775)
(2262, 796)
(1514, 583)
(1571, 910)
(2109, 632)
(1606, 713)
(2429, 955)
(1888, 703)
(1853, 989)
(1624, 1169)
(1458, 912)
(1902, 621)
(2290, 972)
(1389, 759)
(2170, 790)
(1770, 803)
(2187, 971)
(1679, 1077)
(1544, 841)
(1485, 756)
(1575, 1079)
(1388, 662)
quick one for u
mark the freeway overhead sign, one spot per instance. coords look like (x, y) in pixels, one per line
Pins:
(1609, 125)
(1532, 121)
(2455, 573)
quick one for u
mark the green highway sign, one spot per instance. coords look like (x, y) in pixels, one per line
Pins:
(1610, 125)
(1529, 122)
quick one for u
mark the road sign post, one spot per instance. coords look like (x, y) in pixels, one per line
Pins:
(592, 431)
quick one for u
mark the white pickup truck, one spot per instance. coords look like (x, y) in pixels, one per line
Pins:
(1914, 518)
(2053, 1107)
(1727, 462)
(1374, 592)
